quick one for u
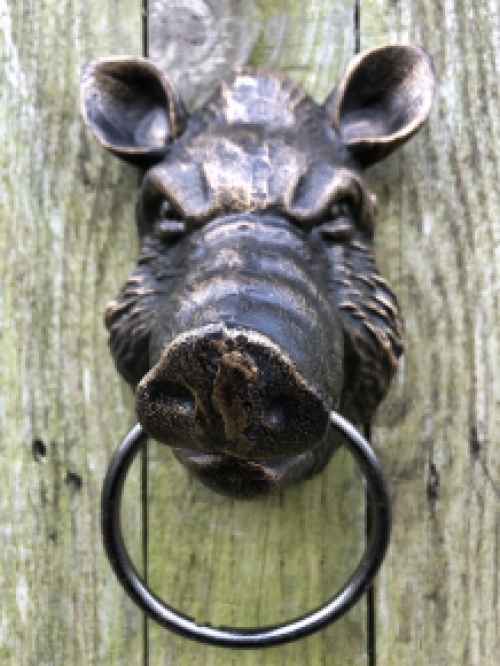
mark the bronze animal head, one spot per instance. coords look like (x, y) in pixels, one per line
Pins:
(256, 306)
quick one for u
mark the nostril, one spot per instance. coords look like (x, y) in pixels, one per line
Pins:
(287, 421)
(166, 410)
(172, 395)
(280, 411)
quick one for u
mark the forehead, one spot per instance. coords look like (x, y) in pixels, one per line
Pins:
(253, 98)
(259, 143)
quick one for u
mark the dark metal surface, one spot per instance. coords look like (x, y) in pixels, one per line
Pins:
(256, 306)
(252, 637)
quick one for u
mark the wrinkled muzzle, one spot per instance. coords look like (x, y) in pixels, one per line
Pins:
(246, 358)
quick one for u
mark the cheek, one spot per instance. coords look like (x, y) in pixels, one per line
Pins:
(131, 317)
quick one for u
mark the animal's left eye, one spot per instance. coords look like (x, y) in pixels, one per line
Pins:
(166, 226)
(340, 224)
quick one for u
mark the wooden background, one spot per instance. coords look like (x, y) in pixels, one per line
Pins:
(67, 242)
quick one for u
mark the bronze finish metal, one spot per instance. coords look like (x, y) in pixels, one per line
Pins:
(256, 306)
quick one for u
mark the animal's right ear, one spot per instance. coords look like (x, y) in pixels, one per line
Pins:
(132, 108)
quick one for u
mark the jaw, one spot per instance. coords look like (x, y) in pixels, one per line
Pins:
(254, 479)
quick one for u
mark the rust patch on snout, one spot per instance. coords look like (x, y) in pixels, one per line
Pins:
(236, 374)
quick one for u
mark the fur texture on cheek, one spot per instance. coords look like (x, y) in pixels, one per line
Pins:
(131, 316)
(373, 328)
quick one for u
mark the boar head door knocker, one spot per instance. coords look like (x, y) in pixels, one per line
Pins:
(256, 326)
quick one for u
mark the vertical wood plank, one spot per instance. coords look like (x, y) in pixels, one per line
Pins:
(439, 245)
(238, 563)
(66, 239)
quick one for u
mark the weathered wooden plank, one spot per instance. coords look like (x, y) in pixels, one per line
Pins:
(237, 563)
(439, 242)
(66, 239)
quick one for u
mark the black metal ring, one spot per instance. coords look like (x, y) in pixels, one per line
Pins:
(242, 637)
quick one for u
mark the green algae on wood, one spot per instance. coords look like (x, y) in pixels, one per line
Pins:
(439, 240)
(67, 238)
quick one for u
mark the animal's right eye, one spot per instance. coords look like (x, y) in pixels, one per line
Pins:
(167, 226)
(340, 225)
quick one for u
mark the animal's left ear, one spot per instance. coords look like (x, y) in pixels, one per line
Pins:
(384, 97)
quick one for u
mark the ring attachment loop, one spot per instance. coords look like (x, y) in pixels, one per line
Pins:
(257, 637)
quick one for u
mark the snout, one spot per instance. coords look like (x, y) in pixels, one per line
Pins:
(246, 358)
(226, 390)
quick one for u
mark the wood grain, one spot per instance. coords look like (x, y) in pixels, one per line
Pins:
(66, 241)
(238, 563)
(439, 245)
